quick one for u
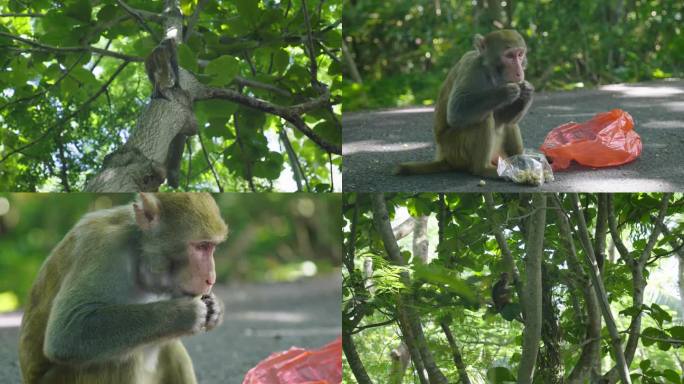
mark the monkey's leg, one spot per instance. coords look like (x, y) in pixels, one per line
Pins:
(512, 144)
(175, 365)
(418, 168)
(487, 146)
(173, 160)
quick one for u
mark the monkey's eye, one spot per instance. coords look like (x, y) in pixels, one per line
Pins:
(204, 246)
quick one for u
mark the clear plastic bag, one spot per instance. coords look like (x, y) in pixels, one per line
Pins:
(301, 366)
(606, 140)
(531, 167)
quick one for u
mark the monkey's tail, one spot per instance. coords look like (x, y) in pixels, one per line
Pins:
(419, 168)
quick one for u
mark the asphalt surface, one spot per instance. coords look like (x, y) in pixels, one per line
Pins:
(373, 142)
(259, 320)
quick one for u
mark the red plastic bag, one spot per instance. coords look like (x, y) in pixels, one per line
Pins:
(300, 366)
(608, 139)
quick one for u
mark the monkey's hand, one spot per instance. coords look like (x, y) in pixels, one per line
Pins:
(214, 311)
(512, 91)
(526, 90)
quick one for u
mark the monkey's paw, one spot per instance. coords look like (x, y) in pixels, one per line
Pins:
(526, 90)
(512, 92)
(214, 311)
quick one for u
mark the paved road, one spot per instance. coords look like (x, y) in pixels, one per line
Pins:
(260, 319)
(375, 141)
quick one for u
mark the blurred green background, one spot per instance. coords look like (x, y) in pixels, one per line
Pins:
(398, 52)
(273, 237)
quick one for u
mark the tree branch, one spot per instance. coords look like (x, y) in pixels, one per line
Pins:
(100, 51)
(139, 18)
(291, 113)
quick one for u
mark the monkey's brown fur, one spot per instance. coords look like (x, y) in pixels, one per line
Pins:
(502, 292)
(111, 300)
(477, 111)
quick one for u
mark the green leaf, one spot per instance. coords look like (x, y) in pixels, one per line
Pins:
(249, 9)
(269, 168)
(677, 332)
(650, 332)
(215, 108)
(329, 131)
(187, 58)
(510, 311)
(79, 10)
(672, 376)
(223, 70)
(659, 314)
(498, 375)
(281, 59)
(446, 278)
(218, 128)
(644, 365)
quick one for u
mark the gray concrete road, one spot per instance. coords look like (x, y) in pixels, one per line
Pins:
(260, 320)
(375, 141)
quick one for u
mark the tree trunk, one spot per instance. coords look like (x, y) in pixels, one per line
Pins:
(141, 163)
(456, 353)
(400, 358)
(592, 341)
(384, 228)
(532, 305)
(595, 274)
(420, 239)
(549, 363)
(354, 360)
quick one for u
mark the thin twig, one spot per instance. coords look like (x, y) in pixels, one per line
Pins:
(46, 47)
(211, 166)
(140, 19)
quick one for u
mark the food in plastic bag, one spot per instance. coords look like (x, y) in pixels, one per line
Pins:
(530, 167)
(300, 366)
(608, 139)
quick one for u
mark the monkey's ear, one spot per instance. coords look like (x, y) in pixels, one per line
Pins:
(146, 211)
(479, 43)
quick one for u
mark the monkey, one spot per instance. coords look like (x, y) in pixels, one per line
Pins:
(161, 66)
(400, 359)
(502, 292)
(478, 108)
(113, 298)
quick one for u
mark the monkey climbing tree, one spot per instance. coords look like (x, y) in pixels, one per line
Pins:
(130, 96)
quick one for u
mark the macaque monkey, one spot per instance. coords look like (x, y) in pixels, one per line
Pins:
(114, 296)
(479, 105)
(400, 358)
(162, 68)
(502, 292)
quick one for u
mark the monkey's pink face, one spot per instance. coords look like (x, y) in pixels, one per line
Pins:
(513, 60)
(202, 275)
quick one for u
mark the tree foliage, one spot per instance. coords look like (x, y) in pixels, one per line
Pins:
(402, 50)
(74, 87)
(636, 242)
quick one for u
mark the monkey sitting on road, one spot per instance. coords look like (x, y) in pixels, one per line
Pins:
(479, 105)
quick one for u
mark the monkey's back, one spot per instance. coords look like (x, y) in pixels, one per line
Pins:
(455, 145)
(63, 259)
